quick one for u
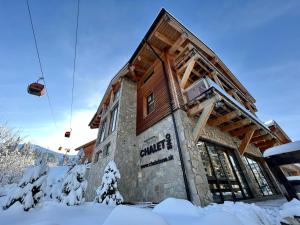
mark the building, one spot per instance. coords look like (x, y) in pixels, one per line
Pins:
(88, 150)
(178, 123)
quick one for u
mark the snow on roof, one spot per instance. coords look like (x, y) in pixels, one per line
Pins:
(270, 123)
(289, 147)
(293, 178)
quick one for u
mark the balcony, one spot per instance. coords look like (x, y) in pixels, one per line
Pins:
(212, 105)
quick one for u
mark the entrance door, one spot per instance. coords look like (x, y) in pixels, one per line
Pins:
(225, 178)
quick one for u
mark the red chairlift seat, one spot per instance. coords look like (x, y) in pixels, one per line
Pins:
(36, 89)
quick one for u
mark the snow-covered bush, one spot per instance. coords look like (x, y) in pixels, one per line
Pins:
(73, 186)
(31, 187)
(14, 158)
(108, 192)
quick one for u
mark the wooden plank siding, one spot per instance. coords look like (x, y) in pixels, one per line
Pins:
(157, 85)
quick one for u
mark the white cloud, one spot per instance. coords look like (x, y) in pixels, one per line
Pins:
(81, 133)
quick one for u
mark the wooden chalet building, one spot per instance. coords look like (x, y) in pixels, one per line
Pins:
(178, 123)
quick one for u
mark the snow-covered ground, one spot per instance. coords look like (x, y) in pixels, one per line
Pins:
(169, 212)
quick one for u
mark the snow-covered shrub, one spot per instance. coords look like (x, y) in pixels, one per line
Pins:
(14, 158)
(31, 187)
(107, 192)
(74, 186)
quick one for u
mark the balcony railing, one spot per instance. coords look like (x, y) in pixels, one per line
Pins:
(198, 90)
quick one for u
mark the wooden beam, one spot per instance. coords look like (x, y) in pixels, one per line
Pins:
(146, 60)
(163, 38)
(182, 68)
(187, 73)
(203, 120)
(259, 133)
(242, 131)
(260, 138)
(266, 143)
(235, 125)
(246, 140)
(216, 78)
(224, 118)
(249, 105)
(198, 108)
(178, 43)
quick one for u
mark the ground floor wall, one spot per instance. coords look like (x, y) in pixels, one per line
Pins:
(150, 164)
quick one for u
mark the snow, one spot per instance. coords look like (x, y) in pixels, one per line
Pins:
(107, 192)
(289, 209)
(31, 187)
(73, 186)
(169, 212)
(178, 212)
(126, 215)
(289, 147)
(52, 213)
(293, 178)
(175, 206)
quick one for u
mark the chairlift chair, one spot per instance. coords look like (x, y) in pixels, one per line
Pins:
(68, 134)
(36, 88)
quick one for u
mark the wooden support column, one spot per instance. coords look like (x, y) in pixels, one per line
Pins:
(187, 73)
(202, 120)
(246, 140)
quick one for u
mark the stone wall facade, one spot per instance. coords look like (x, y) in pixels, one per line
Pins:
(149, 163)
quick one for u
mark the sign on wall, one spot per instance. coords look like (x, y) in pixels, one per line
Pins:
(165, 144)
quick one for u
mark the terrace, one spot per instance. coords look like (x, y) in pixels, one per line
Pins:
(217, 101)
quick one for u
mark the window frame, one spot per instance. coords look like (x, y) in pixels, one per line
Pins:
(148, 104)
(113, 118)
(107, 149)
(262, 175)
(102, 134)
(97, 155)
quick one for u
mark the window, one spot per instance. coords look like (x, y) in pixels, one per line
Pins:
(225, 177)
(113, 119)
(116, 94)
(259, 175)
(106, 150)
(102, 131)
(97, 156)
(150, 103)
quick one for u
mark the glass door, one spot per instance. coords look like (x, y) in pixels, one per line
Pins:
(224, 175)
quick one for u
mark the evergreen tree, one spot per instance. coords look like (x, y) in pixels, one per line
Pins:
(108, 192)
(74, 186)
(31, 188)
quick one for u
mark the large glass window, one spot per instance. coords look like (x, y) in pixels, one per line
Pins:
(113, 119)
(225, 178)
(261, 179)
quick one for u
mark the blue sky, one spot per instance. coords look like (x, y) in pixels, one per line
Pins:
(257, 40)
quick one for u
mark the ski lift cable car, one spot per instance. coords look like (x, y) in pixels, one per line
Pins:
(36, 88)
(68, 133)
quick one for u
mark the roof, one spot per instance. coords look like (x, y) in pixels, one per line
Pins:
(281, 149)
(86, 145)
(278, 131)
(166, 16)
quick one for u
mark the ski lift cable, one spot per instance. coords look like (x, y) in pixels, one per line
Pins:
(74, 63)
(40, 64)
